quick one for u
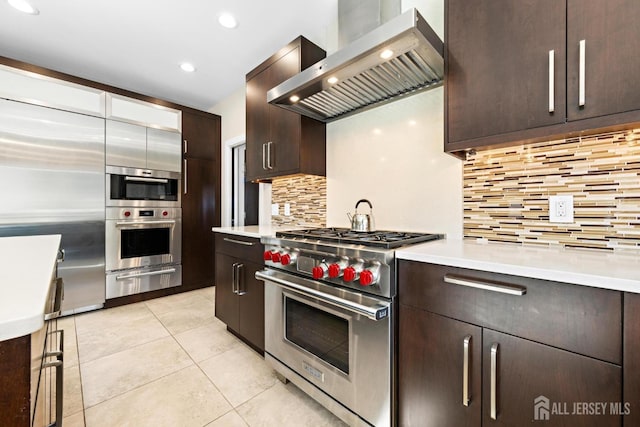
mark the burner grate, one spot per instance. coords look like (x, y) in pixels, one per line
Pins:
(379, 239)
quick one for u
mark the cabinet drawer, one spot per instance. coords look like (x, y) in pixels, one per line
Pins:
(576, 318)
(247, 248)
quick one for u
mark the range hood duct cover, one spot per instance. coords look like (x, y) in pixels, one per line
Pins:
(364, 78)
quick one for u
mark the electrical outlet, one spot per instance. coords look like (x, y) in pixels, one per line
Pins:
(275, 207)
(287, 209)
(561, 209)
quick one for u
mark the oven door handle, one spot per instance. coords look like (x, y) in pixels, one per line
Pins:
(127, 223)
(143, 179)
(146, 273)
(377, 311)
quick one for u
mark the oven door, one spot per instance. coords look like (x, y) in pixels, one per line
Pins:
(142, 187)
(338, 340)
(142, 243)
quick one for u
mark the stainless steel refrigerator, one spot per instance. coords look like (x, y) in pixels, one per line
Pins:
(52, 182)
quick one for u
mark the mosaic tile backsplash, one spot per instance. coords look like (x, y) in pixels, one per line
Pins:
(506, 192)
(307, 195)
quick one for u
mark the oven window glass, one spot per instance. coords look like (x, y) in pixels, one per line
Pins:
(318, 332)
(132, 188)
(145, 242)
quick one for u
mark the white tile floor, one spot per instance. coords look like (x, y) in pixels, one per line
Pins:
(170, 362)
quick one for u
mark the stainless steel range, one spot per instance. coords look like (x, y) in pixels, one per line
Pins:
(329, 309)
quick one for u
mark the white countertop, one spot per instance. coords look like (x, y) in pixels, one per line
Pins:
(581, 267)
(26, 268)
(257, 231)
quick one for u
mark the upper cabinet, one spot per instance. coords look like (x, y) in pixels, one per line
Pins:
(142, 135)
(33, 88)
(136, 146)
(280, 142)
(520, 71)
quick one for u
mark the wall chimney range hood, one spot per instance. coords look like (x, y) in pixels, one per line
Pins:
(401, 57)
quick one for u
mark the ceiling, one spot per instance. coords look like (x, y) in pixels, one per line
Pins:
(139, 44)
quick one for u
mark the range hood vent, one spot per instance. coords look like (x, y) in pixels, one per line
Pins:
(401, 57)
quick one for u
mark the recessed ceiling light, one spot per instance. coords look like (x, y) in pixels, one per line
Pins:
(23, 6)
(294, 98)
(227, 20)
(189, 68)
(332, 80)
(386, 54)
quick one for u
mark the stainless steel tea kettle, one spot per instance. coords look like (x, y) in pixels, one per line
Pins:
(362, 222)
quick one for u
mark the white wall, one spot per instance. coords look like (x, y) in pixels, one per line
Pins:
(393, 156)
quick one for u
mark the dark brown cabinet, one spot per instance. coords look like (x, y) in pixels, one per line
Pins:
(501, 353)
(430, 370)
(631, 367)
(513, 70)
(280, 142)
(200, 197)
(239, 295)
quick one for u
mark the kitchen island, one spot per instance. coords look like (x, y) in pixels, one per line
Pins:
(29, 344)
(26, 267)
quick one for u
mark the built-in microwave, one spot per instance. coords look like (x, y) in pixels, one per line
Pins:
(142, 187)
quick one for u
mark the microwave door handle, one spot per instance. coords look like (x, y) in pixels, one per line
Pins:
(144, 179)
(146, 273)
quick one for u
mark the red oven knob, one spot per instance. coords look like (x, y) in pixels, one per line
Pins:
(317, 272)
(127, 214)
(334, 271)
(165, 213)
(366, 278)
(285, 259)
(275, 256)
(267, 255)
(349, 274)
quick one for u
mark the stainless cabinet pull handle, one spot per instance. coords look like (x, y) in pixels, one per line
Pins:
(465, 371)
(59, 365)
(57, 303)
(239, 279)
(269, 164)
(264, 156)
(551, 81)
(581, 95)
(185, 176)
(185, 146)
(485, 284)
(240, 242)
(234, 278)
(494, 381)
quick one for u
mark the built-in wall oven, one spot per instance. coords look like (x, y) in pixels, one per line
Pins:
(142, 187)
(329, 309)
(143, 249)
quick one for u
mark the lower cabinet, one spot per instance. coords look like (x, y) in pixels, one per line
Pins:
(631, 368)
(239, 295)
(455, 370)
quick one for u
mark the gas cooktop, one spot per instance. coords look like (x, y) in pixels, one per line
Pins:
(379, 239)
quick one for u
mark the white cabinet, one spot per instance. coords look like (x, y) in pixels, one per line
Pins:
(32, 88)
(143, 113)
(136, 146)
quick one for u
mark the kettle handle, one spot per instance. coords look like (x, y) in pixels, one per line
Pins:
(364, 201)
